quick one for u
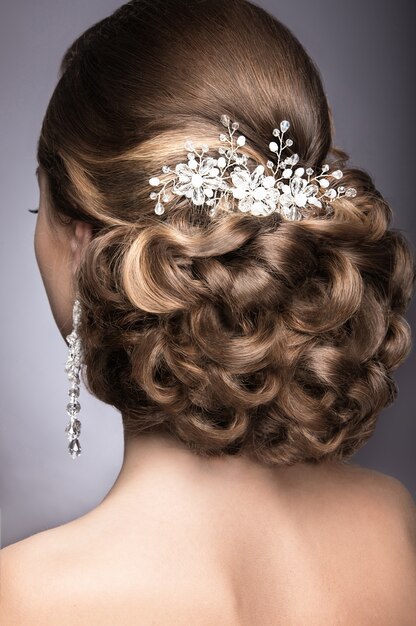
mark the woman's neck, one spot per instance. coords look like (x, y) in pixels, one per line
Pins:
(160, 463)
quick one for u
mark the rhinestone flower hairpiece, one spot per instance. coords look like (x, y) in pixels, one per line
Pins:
(294, 193)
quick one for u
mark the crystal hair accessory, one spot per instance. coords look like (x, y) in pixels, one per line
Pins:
(72, 368)
(294, 193)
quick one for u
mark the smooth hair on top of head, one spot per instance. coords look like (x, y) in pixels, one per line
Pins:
(238, 333)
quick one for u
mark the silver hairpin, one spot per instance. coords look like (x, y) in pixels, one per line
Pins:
(205, 180)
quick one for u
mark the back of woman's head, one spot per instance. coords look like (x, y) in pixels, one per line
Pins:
(234, 333)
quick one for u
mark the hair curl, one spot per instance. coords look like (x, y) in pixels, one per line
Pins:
(239, 333)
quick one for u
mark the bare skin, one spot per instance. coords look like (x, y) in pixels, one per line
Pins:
(185, 540)
(182, 540)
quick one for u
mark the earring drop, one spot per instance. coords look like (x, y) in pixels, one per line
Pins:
(72, 368)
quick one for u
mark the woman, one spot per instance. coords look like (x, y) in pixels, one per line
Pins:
(248, 343)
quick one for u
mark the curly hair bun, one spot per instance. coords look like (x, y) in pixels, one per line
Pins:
(236, 334)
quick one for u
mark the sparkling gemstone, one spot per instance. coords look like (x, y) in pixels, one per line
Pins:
(153, 195)
(245, 204)
(74, 377)
(325, 167)
(225, 120)
(350, 192)
(297, 185)
(154, 181)
(235, 125)
(313, 200)
(223, 137)
(337, 174)
(159, 208)
(311, 189)
(73, 429)
(73, 408)
(241, 140)
(341, 189)
(197, 180)
(166, 169)
(259, 193)
(289, 142)
(270, 164)
(165, 198)
(189, 145)
(309, 171)
(273, 146)
(73, 392)
(239, 193)
(284, 125)
(198, 196)
(286, 200)
(258, 208)
(331, 194)
(185, 173)
(240, 178)
(74, 448)
(276, 132)
(290, 212)
(268, 182)
(300, 199)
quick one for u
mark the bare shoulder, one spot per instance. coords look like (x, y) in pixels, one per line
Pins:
(360, 518)
(65, 571)
(385, 495)
(393, 510)
(383, 524)
(374, 497)
(363, 526)
(24, 578)
(39, 576)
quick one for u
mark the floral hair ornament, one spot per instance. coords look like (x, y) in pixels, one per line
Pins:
(294, 193)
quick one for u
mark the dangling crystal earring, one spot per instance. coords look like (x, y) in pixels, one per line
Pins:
(72, 368)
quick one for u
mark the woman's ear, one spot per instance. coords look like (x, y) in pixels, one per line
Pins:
(81, 235)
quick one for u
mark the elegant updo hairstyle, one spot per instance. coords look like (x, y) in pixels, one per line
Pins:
(234, 333)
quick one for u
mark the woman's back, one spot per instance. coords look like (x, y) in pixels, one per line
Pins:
(326, 544)
(244, 307)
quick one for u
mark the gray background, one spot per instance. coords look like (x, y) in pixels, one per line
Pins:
(365, 55)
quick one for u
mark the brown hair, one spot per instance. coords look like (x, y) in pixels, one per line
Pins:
(236, 333)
